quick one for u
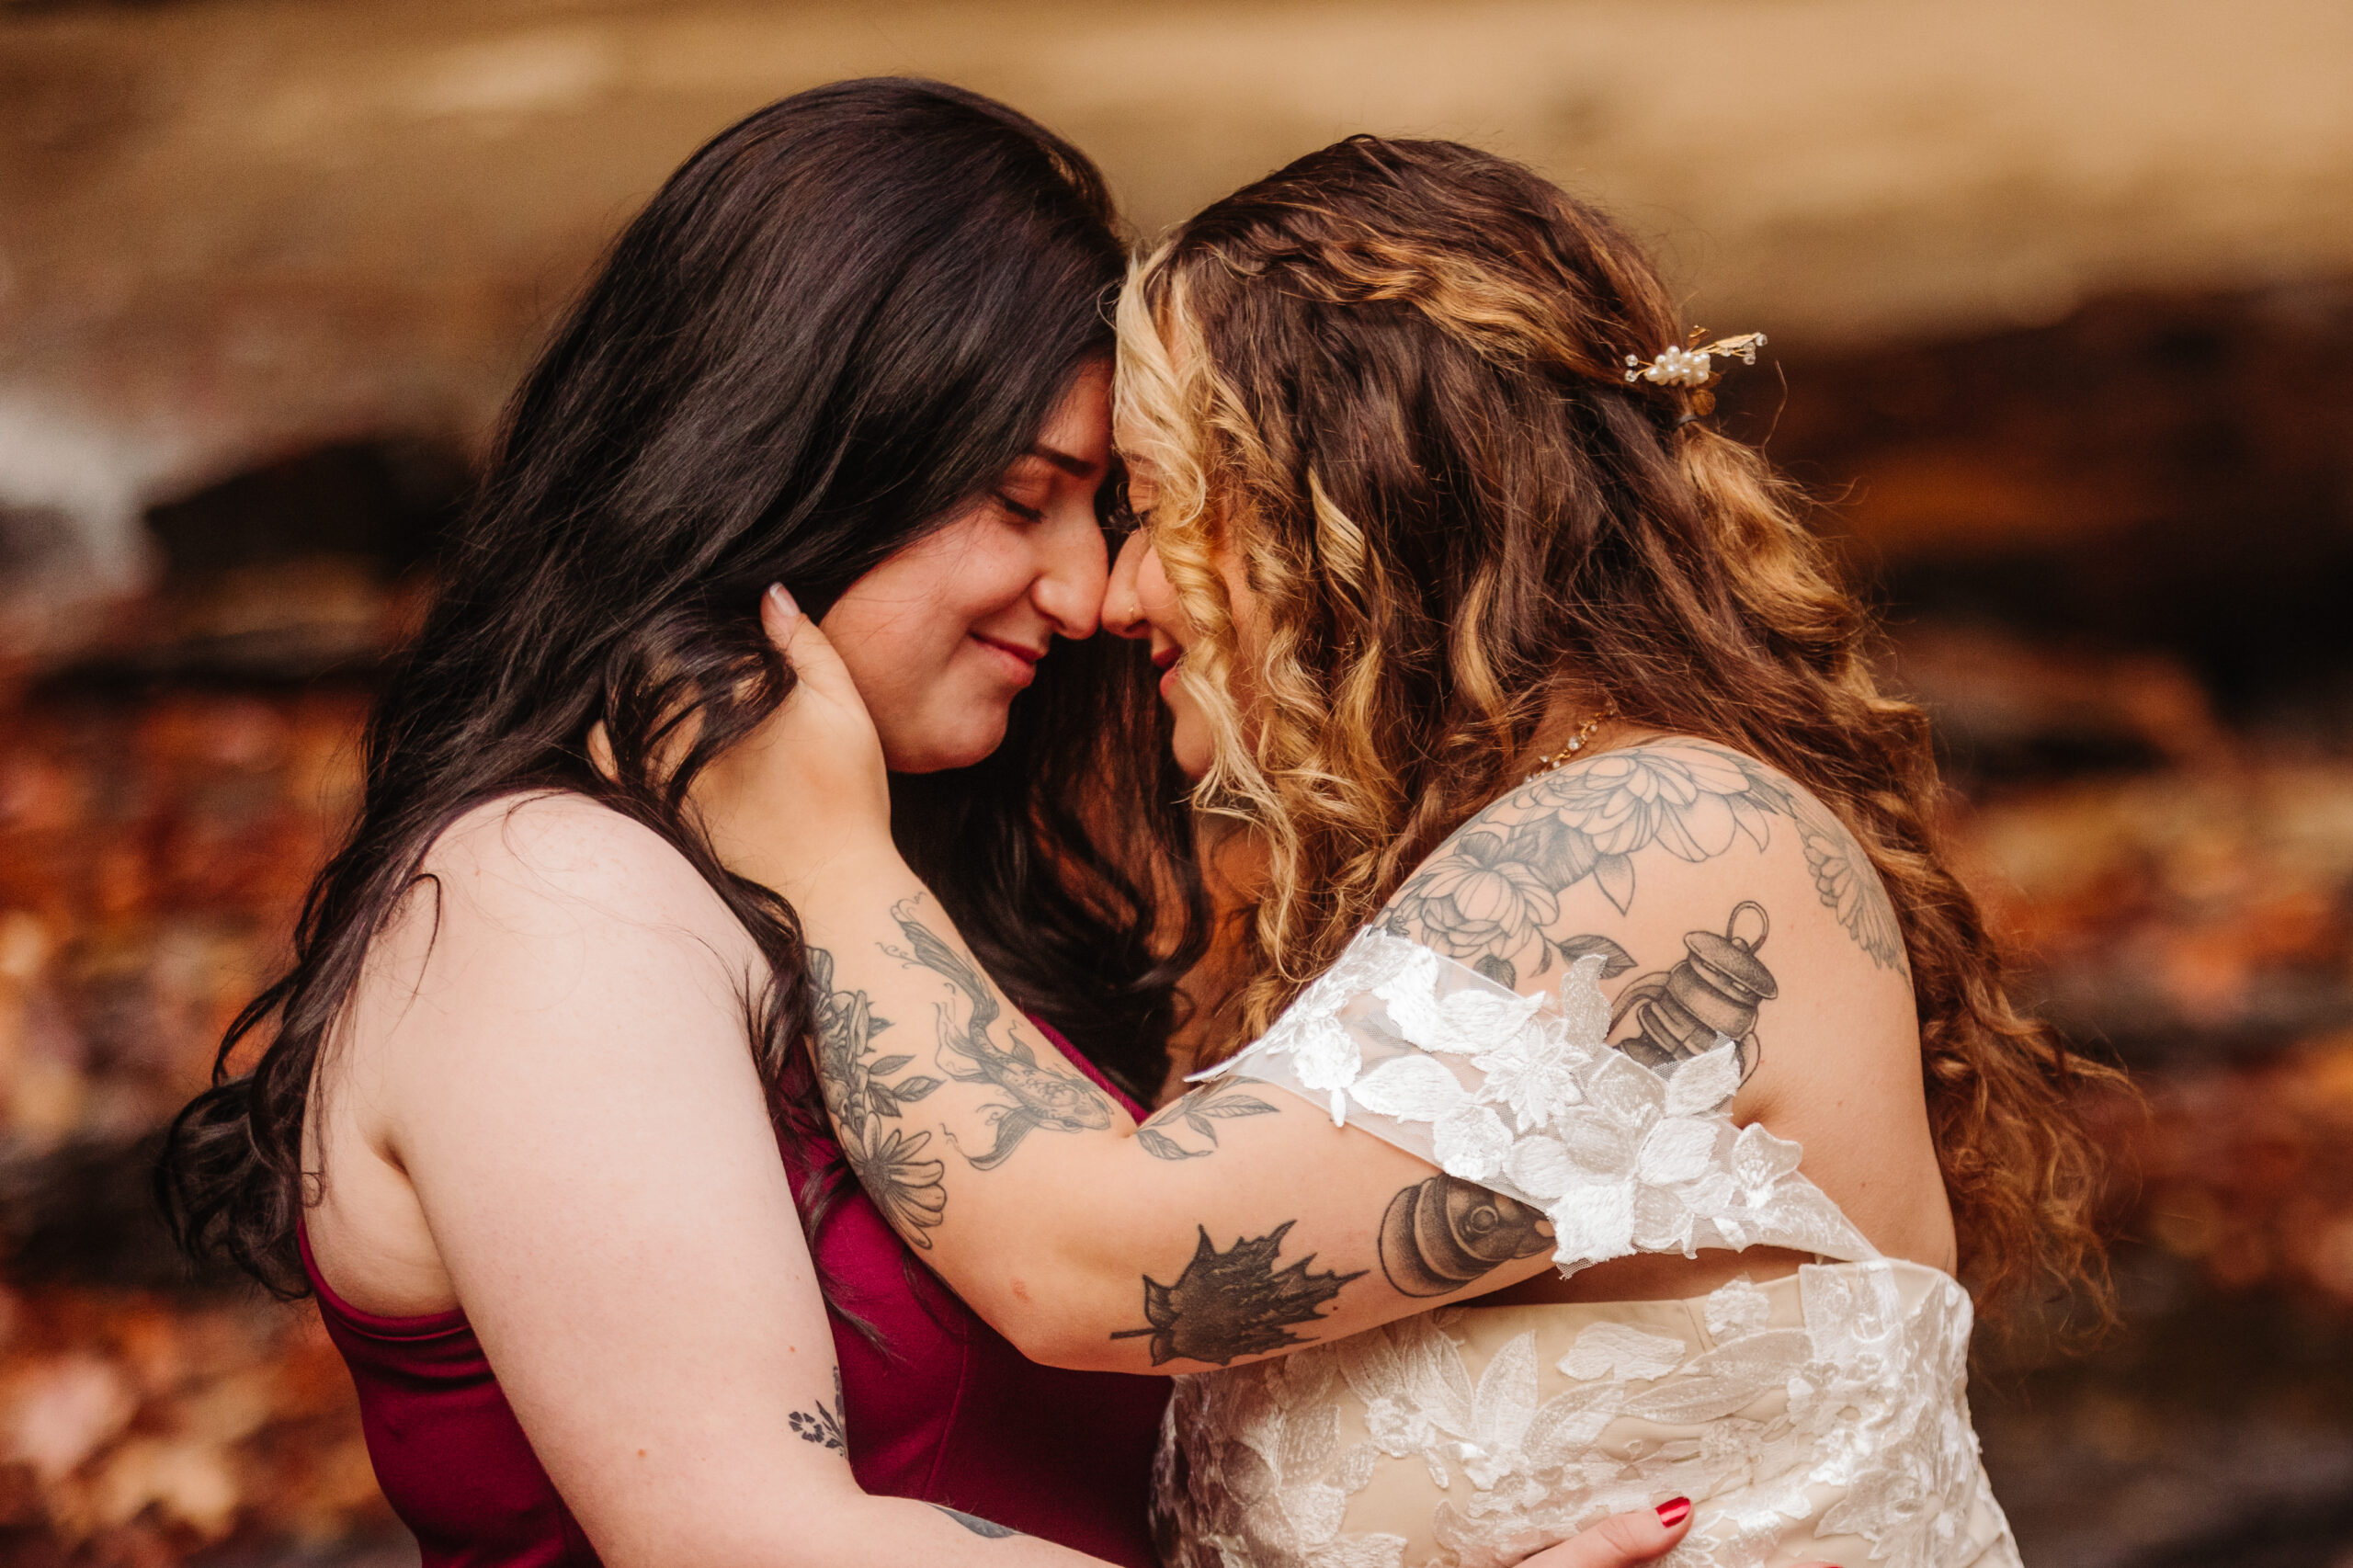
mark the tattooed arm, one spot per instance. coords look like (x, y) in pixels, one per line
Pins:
(1241, 1222)
(1090, 1240)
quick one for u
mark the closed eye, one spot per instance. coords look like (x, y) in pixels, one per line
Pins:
(1026, 514)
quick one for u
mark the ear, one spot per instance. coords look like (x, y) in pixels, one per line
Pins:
(601, 753)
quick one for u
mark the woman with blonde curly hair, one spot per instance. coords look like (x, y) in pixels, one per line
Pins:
(1631, 1085)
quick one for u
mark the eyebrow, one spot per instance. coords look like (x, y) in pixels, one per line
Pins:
(1077, 468)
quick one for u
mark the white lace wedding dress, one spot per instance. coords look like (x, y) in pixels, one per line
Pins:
(1819, 1415)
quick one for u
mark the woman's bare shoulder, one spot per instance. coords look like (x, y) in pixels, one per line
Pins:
(556, 851)
(549, 881)
(1644, 840)
(1725, 902)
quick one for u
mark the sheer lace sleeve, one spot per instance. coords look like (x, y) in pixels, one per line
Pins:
(1523, 1095)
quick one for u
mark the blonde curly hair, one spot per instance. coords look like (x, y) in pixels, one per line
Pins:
(1387, 380)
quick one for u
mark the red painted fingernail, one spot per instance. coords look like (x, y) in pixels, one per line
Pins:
(1672, 1512)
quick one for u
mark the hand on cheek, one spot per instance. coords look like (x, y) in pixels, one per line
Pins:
(808, 786)
(906, 633)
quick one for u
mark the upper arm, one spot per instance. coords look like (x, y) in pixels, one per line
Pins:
(1722, 897)
(573, 1103)
(1662, 856)
(1638, 842)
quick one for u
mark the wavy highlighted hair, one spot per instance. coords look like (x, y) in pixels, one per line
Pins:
(1387, 380)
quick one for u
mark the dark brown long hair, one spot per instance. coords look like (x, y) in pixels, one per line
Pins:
(1391, 378)
(834, 327)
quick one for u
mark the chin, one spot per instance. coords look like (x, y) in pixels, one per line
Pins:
(937, 750)
(1191, 754)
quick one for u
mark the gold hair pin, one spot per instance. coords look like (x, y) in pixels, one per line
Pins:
(1692, 365)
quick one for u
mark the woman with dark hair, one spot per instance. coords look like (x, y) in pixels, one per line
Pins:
(517, 1119)
(1605, 971)
(860, 341)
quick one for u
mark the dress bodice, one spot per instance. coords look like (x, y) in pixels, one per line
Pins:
(1821, 1414)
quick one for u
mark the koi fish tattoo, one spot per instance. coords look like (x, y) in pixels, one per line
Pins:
(1036, 1096)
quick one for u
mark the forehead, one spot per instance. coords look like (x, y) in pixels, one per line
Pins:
(1135, 438)
(1079, 429)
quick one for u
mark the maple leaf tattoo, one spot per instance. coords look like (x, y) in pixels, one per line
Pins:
(1235, 1302)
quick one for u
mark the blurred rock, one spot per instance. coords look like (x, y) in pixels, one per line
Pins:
(313, 563)
(385, 501)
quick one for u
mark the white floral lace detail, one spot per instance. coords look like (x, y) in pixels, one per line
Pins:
(1850, 1419)
(1525, 1096)
(1855, 1424)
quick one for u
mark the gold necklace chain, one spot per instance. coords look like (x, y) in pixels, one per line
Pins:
(1577, 743)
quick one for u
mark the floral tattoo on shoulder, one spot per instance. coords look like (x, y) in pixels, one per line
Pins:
(1491, 896)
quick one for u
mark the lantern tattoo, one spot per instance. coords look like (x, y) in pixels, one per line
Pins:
(1713, 995)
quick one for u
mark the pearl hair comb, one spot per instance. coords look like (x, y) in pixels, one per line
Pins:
(1692, 365)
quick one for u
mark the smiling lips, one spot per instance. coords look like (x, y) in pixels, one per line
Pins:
(1023, 664)
(1020, 663)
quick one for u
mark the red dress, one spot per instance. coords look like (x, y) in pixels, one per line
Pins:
(944, 1409)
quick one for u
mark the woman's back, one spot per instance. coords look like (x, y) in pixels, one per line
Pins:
(530, 914)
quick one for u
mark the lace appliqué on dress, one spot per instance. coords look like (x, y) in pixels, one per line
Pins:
(1525, 1096)
(1855, 1424)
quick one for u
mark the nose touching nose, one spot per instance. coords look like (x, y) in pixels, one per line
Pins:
(1069, 587)
(1122, 603)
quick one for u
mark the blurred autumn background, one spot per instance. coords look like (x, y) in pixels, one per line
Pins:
(2061, 302)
